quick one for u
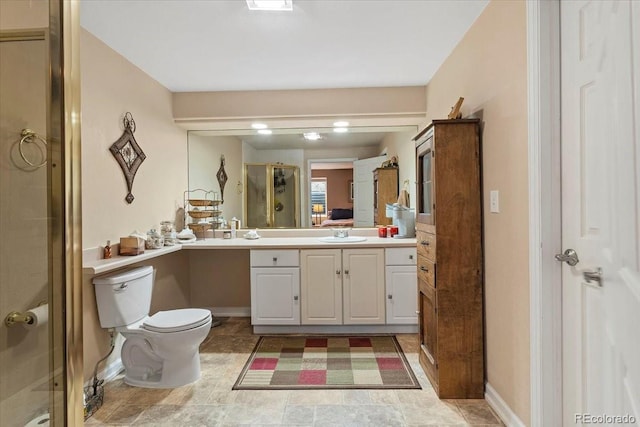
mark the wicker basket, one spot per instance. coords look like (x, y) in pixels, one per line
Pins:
(200, 214)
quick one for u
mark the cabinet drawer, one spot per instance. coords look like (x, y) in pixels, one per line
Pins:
(400, 256)
(426, 245)
(426, 271)
(275, 258)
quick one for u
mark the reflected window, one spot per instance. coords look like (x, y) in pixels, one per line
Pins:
(319, 195)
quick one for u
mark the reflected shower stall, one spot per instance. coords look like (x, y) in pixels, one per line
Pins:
(271, 195)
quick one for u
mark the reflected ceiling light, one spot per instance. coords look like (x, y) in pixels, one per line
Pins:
(258, 125)
(312, 136)
(277, 5)
(341, 124)
(265, 131)
(341, 130)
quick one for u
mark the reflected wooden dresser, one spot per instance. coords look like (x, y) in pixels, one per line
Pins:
(449, 247)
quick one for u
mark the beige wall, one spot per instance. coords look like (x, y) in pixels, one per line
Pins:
(220, 278)
(204, 162)
(488, 68)
(112, 86)
(299, 103)
(401, 145)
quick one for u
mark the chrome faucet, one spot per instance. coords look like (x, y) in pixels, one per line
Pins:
(341, 232)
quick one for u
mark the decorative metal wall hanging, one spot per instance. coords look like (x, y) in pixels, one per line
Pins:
(128, 153)
(222, 177)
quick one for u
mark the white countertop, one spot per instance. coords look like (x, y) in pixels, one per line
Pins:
(92, 265)
(296, 243)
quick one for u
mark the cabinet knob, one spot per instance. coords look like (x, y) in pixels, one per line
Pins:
(275, 259)
(423, 268)
(295, 297)
(346, 272)
(424, 243)
(410, 256)
(338, 272)
(389, 296)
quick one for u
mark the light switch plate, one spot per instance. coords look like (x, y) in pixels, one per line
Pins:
(494, 201)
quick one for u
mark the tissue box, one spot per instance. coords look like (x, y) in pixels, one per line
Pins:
(131, 246)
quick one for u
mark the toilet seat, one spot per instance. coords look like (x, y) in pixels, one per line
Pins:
(176, 320)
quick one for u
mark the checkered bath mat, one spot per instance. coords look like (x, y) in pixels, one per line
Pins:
(294, 362)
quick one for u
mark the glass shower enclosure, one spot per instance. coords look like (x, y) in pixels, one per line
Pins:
(271, 195)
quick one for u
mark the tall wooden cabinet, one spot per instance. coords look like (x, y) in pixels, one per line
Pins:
(385, 190)
(449, 247)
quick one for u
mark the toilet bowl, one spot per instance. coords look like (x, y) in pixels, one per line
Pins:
(159, 351)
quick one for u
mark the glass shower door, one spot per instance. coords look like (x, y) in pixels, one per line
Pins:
(31, 347)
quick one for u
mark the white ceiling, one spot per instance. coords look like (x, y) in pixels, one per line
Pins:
(216, 45)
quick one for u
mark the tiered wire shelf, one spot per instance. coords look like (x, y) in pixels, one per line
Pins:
(202, 211)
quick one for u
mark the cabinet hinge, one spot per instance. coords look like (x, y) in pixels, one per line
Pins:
(433, 153)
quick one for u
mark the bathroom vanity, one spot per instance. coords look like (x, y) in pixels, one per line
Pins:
(302, 284)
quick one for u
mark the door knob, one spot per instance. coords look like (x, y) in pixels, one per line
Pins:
(569, 256)
(593, 276)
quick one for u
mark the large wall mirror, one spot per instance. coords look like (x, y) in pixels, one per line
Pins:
(287, 180)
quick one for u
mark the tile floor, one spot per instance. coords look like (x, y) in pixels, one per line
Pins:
(211, 402)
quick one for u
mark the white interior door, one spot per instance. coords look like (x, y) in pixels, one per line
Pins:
(363, 190)
(600, 48)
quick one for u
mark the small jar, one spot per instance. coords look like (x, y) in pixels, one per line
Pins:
(168, 232)
(393, 230)
(154, 240)
(382, 231)
(226, 234)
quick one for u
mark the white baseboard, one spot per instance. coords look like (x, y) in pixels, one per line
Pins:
(231, 311)
(508, 417)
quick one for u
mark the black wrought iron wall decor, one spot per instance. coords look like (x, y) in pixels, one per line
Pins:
(222, 177)
(128, 153)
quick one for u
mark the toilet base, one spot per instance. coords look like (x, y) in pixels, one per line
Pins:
(174, 373)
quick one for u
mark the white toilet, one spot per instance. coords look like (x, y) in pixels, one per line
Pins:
(160, 351)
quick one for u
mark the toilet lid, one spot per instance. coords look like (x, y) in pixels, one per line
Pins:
(177, 320)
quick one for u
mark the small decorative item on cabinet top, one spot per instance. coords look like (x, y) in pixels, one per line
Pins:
(455, 110)
(128, 153)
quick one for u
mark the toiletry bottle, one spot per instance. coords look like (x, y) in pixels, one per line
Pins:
(107, 250)
(233, 227)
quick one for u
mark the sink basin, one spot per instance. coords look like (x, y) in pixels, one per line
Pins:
(348, 239)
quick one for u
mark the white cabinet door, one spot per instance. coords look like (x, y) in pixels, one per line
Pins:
(363, 286)
(402, 294)
(275, 296)
(321, 287)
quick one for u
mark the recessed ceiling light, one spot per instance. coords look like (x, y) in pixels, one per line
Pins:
(341, 124)
(265, 131)
(341, 130)
(277, 5)
(258, 125)
(312, 136)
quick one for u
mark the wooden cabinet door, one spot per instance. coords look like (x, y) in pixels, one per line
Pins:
(321, 287)
(363, 286)
(428, 328)
(402, 293)
(275, 296)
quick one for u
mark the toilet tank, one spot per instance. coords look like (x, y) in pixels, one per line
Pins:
(124, 297)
